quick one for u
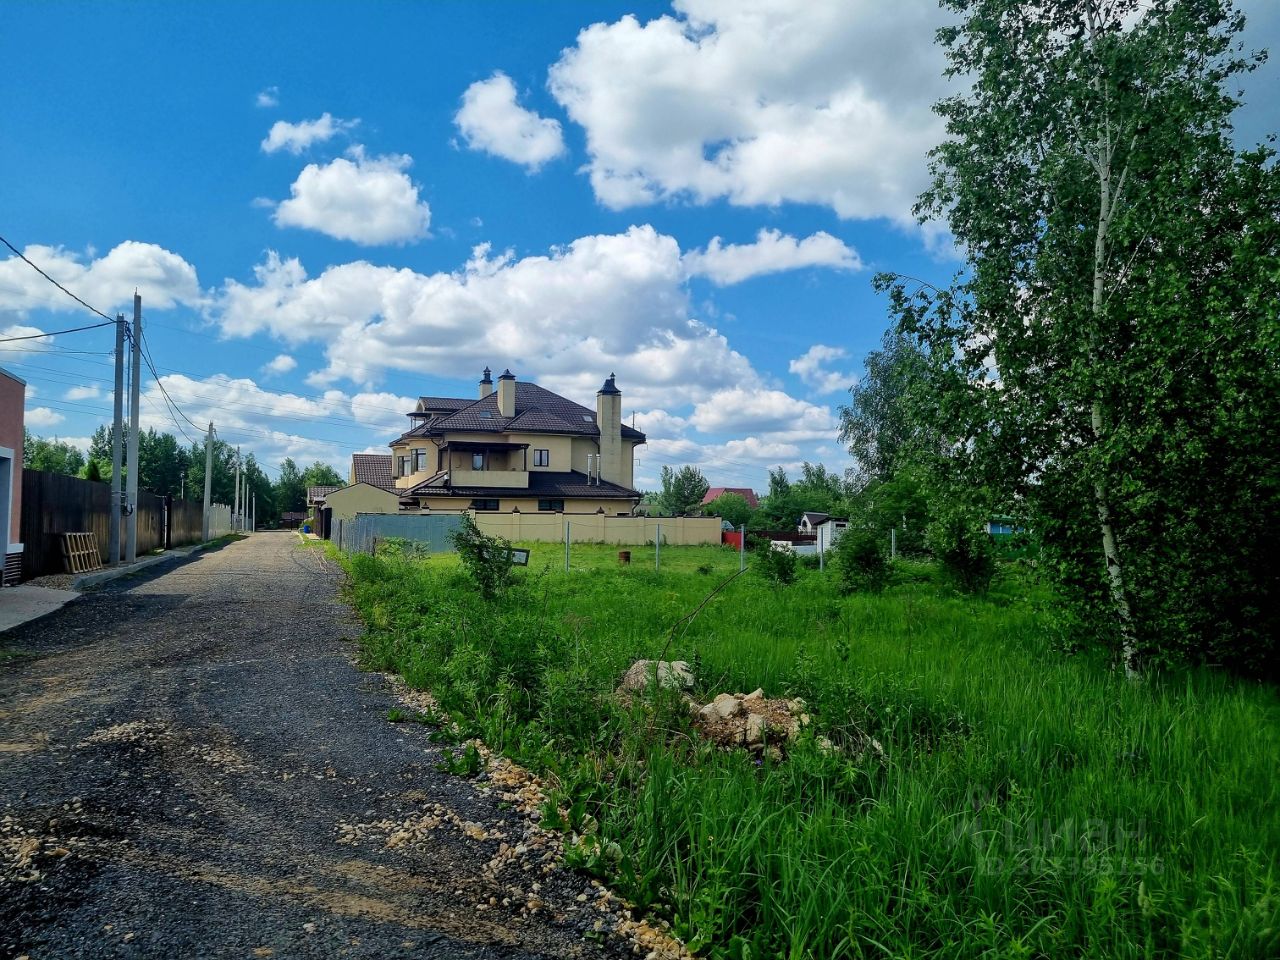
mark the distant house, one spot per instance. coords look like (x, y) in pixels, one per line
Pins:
(517, 447)
(316, 495)
(829, 531)
(13, 401)
(744, 492)
(1003, 526)
(810, 521)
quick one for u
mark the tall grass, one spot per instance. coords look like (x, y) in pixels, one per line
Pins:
(1027, 804)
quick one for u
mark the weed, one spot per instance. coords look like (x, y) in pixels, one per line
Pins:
(465, 763)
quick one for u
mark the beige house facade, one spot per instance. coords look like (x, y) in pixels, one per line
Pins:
(517, 448)
(346, 502)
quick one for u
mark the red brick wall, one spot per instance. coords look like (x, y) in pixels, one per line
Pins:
(12, 406)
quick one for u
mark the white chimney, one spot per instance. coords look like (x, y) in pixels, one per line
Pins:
(486, 385)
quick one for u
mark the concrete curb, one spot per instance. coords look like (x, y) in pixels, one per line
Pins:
(111, 573)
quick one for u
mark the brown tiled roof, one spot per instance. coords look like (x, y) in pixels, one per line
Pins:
(746, 493)
(538, 410)
(373, 468)
(443, 403)
(319, 493)
(542, 484)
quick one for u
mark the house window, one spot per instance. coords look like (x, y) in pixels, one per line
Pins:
(484, 504)
(541, 458)
(477, 461)
(419, 461)
(404, 466)
(555, 505)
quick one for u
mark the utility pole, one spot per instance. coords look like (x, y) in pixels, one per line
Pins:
(117, 449)
(235, 513)
(208, 480)
(253, 515)
(131, 486)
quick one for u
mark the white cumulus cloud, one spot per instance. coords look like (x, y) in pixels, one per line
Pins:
(814, 368)
(760, 102)
(491, 120)
(108, 282)
(282, 363)
(772, 252)
(270, 97)
(297, 137)
(368, 200)
(84, 393)
(39, 418)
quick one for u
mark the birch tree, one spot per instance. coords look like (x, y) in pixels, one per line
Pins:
(1089, 176)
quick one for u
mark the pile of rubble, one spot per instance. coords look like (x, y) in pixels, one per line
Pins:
(749, 720)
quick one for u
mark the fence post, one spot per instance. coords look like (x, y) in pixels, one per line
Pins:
(893, 543)
(742, 548)
(822, 556)
(657, 549)
(566, 546)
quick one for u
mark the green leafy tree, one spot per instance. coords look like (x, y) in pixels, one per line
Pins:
(729, 506)
(290, 492)
(818, 489)
(56, 456)
(1108, 356)
(487, 559)
(682, 490)
(321, 475)
(779, 507)
(162, 463)
(882, 436)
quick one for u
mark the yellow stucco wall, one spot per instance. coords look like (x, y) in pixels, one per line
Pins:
(593, 528)
(361, 498)
(529, 505)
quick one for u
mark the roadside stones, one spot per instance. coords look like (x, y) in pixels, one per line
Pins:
(756, 725)
(673, 675)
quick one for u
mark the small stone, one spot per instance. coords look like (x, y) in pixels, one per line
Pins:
(727, 705)
(753, 696)
(754, 732)
(709, 712)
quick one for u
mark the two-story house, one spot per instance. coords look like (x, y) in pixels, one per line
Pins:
(518, 447)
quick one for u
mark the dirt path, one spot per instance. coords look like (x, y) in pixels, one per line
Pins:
(190, 765)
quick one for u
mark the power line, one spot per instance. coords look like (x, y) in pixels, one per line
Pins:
(55, 333)
(87, 306)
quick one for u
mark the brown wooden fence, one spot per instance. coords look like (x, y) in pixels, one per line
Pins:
(186, 522)
(53, 503)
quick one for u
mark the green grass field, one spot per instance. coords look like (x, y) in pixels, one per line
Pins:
(1030, 804)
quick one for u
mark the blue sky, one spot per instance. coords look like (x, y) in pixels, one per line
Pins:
(332, 209)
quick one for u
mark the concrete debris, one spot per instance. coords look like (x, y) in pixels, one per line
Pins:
(640, 676)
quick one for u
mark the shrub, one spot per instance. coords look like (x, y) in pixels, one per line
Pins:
(860, 561)
(963, 549)
(776, 565)
(487, 559)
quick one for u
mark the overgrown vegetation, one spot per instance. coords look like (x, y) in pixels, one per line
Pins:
(1026, 804)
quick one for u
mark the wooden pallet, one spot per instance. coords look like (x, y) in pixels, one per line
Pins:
(80, 552)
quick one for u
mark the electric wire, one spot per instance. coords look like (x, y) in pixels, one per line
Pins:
(90, 308)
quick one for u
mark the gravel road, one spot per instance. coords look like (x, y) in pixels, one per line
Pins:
(191, 765)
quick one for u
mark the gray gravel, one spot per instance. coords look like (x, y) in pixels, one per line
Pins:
(191, 765)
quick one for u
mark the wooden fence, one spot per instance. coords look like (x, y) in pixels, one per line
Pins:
(186, 522)
(53, 503)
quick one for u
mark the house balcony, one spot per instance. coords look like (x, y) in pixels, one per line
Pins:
(506, 479)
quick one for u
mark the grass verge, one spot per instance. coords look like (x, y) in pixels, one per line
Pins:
(1028, 804)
